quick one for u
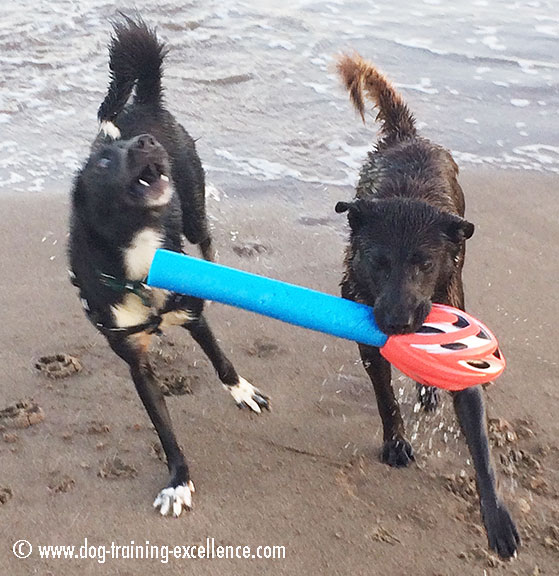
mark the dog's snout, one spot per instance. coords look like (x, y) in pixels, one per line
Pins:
(146, 142)
(397, 319)
(399, 324)
(145, 149)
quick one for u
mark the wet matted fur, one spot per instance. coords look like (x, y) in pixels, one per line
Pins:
(142, 188)
(406, 251)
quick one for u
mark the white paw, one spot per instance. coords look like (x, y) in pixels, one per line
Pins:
(175, 499)
(245, 394)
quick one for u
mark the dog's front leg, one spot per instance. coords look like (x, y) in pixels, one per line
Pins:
(501, 531)
(243, 392)
(396, 450)
(178, 493)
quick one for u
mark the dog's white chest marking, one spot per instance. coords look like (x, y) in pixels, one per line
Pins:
(139, 254)
(137, 260)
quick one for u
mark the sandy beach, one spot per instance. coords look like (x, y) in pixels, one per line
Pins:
(305, 476)
(254, 84)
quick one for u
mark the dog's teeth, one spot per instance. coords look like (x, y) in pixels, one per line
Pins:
(165, 178)
(143, 182)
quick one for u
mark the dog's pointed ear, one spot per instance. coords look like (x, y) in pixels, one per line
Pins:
(457, 229)
(355, 216)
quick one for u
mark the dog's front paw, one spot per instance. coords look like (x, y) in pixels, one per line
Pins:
(175, 499)
(397, 452)
(247, 395)
(501, 531)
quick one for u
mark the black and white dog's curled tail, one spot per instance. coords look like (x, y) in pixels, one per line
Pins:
(135, 59)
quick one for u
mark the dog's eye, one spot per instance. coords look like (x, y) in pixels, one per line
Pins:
(424, 266)
(427, 265)
(103, 163)
(421, 262)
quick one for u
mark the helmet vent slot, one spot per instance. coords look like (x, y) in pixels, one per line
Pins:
(479, 364)
(430, 330)
(454, 346)
(461, 322)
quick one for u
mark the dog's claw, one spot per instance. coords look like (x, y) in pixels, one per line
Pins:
(174, 499)
(262, 401)
(397, 453)
(501, 531)
(247, 395)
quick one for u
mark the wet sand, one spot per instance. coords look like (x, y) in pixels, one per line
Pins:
(306, 475)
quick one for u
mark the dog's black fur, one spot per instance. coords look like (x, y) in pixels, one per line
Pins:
(141, 188)
(406, 250)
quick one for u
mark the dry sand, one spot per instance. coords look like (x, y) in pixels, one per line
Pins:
(306, 475)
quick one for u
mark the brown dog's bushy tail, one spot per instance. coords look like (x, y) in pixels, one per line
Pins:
(357, 74)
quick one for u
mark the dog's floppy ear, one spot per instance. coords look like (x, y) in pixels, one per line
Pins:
(355, 216)
(457, 229)
(342, 207)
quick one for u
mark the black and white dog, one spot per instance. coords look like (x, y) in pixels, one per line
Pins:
(141, 188)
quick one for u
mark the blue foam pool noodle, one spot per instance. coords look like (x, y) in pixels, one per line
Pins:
(287, 302)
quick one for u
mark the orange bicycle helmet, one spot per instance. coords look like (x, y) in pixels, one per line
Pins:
(451, 350)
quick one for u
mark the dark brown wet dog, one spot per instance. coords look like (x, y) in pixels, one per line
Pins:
(406, 251)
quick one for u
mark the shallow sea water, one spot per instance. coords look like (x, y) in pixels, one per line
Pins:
(255, 82)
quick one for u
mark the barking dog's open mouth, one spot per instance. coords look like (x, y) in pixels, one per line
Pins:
(152, 185)
(148, 164)
(151, 178)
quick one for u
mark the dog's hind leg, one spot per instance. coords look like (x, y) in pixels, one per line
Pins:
(178, 493)
(243, 392)
(427, 396)
(189, 179)
(501, 531)
(396, 450)
(207, 250)
(195, 229)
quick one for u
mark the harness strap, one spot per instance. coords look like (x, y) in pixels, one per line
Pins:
(151, 326)
(136, 287)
